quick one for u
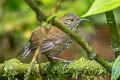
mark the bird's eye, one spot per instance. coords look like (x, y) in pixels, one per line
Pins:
(71, 19)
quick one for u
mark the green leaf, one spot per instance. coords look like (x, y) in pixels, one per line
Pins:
(101, 6)
(116, 69)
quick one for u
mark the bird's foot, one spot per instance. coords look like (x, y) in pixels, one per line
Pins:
(46, 69)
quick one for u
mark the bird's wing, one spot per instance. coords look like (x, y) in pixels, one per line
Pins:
(33, 43)
(54, 37)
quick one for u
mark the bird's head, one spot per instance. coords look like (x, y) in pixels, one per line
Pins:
(72, 21)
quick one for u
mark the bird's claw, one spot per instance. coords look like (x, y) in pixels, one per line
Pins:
(66, 61)
(46, 69)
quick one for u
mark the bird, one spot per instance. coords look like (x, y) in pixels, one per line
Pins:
(56, 40)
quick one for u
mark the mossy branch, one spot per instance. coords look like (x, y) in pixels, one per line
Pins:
(13, 68)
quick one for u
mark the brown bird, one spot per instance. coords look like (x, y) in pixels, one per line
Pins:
(56, 40)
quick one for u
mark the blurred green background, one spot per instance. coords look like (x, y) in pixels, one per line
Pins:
(18, 21)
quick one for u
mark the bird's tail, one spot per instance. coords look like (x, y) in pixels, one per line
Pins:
(25, 52)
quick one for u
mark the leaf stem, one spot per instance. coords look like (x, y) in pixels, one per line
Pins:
(115, 40)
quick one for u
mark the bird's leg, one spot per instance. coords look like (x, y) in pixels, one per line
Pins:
(65, 61)
(46, 69)
(59, 59)
(51, 61)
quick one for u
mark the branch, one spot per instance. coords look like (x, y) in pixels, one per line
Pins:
(13, 68)
(91, 52)
(33, 5)
(80, 41)
(113, 32)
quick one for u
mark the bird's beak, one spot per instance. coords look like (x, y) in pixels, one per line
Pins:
(84, 20)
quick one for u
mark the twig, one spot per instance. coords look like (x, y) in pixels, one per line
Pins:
(37, 52)
(40, 17)
(58, 4)
(38, 71)
(47, 27)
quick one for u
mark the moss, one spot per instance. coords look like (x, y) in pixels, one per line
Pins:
(88, 68)
(56, 68)
(9, 68)
(33, 74)
(82, 67)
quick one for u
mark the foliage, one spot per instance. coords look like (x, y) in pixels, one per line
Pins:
(116, 69)
(101, 6)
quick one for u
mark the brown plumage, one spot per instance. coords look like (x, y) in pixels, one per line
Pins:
(56, 40)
